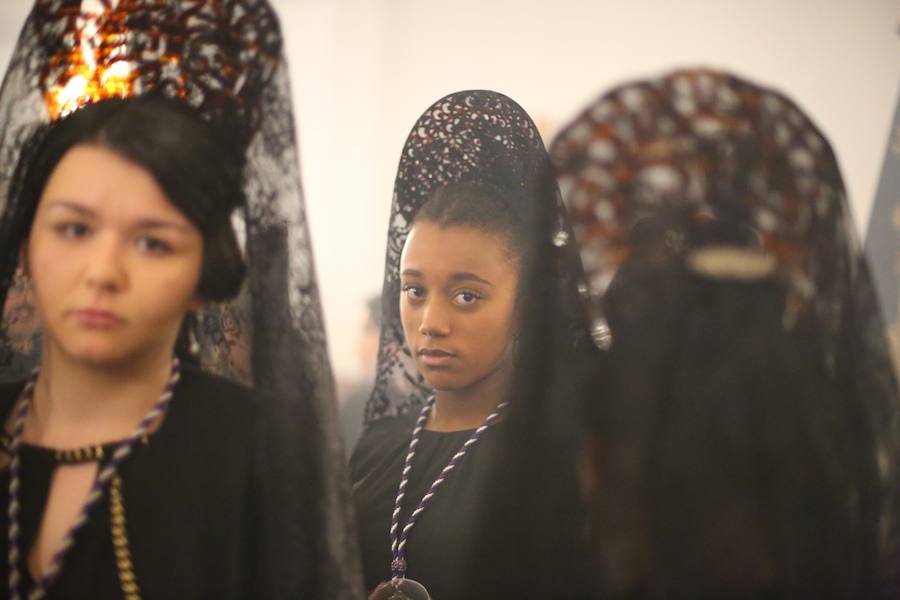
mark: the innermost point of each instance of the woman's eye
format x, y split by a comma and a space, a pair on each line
466, 298
414, 292
153, 245
72, 230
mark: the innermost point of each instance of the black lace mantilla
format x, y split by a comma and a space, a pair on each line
224, 58
701, 144
471, 136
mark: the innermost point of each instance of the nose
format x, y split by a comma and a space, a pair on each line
435, 319
106, 270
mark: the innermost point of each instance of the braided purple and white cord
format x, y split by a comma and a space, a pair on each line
104, 476
398, 536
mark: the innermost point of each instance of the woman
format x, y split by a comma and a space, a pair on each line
741, 431
470, 189
132, 471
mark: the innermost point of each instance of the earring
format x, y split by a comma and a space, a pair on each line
193, 344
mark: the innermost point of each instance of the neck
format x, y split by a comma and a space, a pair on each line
77, 403
467, 408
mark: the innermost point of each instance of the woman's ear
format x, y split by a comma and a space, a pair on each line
197, 304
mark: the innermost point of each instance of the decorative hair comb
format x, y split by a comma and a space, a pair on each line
217, 55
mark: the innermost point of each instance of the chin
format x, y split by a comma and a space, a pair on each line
446, 382
99, 353
438, 383
99, 357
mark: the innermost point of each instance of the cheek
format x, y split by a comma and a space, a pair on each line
492, 331
167, 289
408, 317
505, 311
49, 268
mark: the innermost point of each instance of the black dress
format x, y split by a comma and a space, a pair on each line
188, 495
438, 546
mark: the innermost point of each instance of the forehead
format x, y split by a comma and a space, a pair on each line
101, 180
435, 249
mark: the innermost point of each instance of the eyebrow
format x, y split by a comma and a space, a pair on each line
467, 276
74, 206
461, 276
157, 224
140, 224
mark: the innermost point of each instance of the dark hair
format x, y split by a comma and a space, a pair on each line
482, 206
731, 465
198, 168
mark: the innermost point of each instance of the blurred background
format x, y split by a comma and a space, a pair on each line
363, 71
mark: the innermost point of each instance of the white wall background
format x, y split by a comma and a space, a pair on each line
363, 70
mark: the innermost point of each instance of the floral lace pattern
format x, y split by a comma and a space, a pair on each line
701, 146
471, 136
223, 58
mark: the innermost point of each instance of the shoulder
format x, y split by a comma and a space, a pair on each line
211, 425
380, 438
10, 390
198, 380
386, 431
221, 401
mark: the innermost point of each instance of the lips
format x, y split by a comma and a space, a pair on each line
435, 358
97, 319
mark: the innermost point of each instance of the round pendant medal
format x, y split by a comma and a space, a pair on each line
400, 589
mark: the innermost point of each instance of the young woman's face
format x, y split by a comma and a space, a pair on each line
114, 264
457, 303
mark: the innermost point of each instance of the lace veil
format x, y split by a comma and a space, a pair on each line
225, 59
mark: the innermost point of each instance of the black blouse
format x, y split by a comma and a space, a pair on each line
437, 547
188, 495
